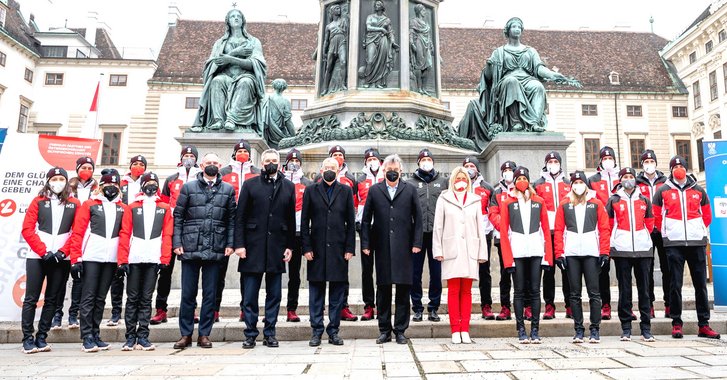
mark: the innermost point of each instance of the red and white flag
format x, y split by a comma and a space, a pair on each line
90, 128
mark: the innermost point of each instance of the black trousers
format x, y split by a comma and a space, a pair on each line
367, 279
549, 282
294, 275
527, 269
224, 263
506, 280
317, 294
663, 266
604, 285
273, 296
117, 294
640, 267
164, 285
580, 267
62, 291
97, 278
37, 271
696, 259
401, 304
435, 277
139, 289
190, 285
485, 277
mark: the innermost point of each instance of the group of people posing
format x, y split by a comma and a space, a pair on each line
129, 229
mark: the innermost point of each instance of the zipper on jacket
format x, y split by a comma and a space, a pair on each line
555, 193
683, 201
632, 220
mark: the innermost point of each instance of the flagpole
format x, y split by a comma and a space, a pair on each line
98, 91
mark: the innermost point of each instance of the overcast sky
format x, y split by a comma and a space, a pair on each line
139, 26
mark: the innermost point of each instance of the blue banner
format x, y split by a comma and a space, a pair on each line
3, 133
715, 168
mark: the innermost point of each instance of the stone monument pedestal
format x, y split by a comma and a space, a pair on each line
221, 143
525, 148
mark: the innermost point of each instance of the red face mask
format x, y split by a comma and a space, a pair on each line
340, 160
522, 185
679, 173
242, 157
137, 171
85, 174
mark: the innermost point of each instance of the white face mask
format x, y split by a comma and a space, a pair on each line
579, 188
460, 185
553, 168
608, 164
650, 168
507, 176
426, 166
374, 165
57, 186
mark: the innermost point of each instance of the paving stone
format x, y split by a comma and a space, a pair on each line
365, 362
581, 363
718, 371
322, 369
189, 369
500, 365
576, 351
440, 367
662, 361
263, 369
469, 376
450, 355
533, 353
711, 360
401, 369
91, 370
642, 350
366, 375
648, 373
560, 374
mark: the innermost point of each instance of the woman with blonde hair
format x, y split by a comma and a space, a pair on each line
458, 241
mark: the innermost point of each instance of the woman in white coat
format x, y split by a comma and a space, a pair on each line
458, 241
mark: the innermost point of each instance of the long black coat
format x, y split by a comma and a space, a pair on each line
265, 224
390, 229
204, 219
327, 228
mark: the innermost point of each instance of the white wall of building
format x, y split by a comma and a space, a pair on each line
15, 86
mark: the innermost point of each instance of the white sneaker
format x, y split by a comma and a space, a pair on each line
466, 338
456, 338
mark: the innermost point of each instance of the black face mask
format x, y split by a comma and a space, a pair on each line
271, 169
150, 190
329, 176
392, 175
211, 170
110, 192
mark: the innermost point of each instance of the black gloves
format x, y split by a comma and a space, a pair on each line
546, 268
122, 270
51, 258
603, 261
510, 270
560, 262
161, 267
77, 271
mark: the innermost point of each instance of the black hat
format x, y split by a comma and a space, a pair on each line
521, 171
648, 154
553, 155
149, 177
579, 175
294, 153
109, 176
625, 171
371, 152
243, 144
138, 158
677, 160
336, 149
508, 165
189, 149
607, 151
85, 160
424, 153
56, 171
473, 160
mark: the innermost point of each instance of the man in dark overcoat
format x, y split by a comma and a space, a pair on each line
391, 230
264, 241
328, 225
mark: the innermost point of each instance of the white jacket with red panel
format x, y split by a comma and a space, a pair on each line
552, 190
581, 230
604, 183
631, 221
146, 232
174, 183
300, 182
96, 230
524, 230
682, 213
364, 183
48, 224
236, 173
494, 210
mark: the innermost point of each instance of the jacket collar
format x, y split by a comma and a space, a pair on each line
691, 182
322, 191
399, 188
448, 195
200, 178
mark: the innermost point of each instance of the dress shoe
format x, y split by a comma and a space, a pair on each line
270, 341
183, 342
314, 341
433, 316
417, 316
401, 339
335, 340
204, 342
383, 338
248, 343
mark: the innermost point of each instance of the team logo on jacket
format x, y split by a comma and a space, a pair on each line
46, 204
516, 206
673, 196
622, 207
100, 208
437, 185
421, 185
695, 196
590, 205
642, 208
70, 205
603, 187
547, 189
138, 211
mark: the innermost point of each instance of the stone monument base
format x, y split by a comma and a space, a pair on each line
221, 143
525, 148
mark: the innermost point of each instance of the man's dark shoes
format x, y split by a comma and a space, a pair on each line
271, 342
417, 316
433, 316
383, 338
401, 339
183, 342
204, 342
335, 340
314, 341
248, 343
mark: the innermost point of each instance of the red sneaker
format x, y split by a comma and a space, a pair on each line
487, 312
159, 317
292, 317
504, 314
528, 313
707, 332
242, 316
676, 332
569, 312
217, 316
368, 313
606, 312
666, 312
347, 315
549, 312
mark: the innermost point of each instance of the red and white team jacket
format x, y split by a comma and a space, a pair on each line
173, 184
48, 224
96, 230
604, 183
631, 221
365, 181
552, 190
485, 191
129, 188
581, 230
236, 173
682, 213
524, 230
494, 210
647, 187
146, 232
300, 182
80, 190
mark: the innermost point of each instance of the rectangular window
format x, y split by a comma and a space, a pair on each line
678, 111
3, 58
634, 111
697, 95
708, 46
693, 57
23, 119
636, 147
47, 133
3, 15
191, 103
700, 155
718, 135
684, 149
589, 110
110, 151
298, 104
713, 94
117, 80
55, 51
592, 148
28, 75
722, 35
80, 54
54, 79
